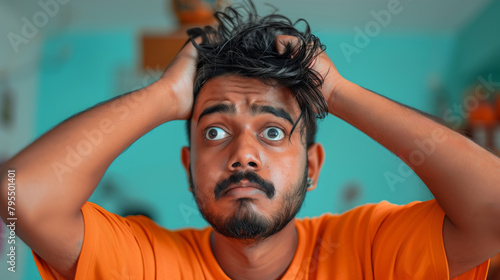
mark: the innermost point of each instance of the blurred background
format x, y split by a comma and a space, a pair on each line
59, 57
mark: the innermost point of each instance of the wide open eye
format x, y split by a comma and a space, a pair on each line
273, 133
215, 133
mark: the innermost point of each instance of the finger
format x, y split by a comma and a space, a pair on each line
198, 40
189, 49
189, 42
313, 62
282, 41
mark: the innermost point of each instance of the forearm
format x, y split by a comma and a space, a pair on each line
464, 178
58, 172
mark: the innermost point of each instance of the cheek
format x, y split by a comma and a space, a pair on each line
286, 169
207, 168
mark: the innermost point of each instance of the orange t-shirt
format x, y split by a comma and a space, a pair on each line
374, 241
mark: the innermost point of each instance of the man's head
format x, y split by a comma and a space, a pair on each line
245, 45
247, 164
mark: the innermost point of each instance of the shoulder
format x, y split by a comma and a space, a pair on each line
140, 226
385, 239
113, 242
371, 215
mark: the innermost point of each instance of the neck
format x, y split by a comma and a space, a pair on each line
264, 259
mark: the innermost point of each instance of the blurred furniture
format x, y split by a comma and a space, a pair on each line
158, 50
483, 122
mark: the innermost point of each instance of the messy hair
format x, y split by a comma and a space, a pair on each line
245, 46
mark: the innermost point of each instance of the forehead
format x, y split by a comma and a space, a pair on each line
243, 93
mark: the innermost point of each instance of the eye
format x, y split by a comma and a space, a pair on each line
215, 133
273, 133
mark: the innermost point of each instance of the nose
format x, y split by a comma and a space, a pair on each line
245, 153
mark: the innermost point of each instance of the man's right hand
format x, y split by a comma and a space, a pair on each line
179, 79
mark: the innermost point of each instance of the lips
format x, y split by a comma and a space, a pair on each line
246, 181
243, 184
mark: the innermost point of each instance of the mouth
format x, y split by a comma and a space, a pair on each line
244, 184
243, 188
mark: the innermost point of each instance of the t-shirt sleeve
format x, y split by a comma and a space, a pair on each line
110, 249
408, 243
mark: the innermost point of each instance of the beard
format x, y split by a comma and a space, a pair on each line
246, 223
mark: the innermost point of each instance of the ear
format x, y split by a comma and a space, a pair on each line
186, 161
316, 157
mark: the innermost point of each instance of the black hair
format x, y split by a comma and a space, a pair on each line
245, 46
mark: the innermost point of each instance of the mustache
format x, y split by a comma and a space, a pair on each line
266, 186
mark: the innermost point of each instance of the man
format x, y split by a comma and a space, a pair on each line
258, 84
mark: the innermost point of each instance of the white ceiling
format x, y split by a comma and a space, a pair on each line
337, 15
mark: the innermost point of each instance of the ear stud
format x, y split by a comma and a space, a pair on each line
309, 182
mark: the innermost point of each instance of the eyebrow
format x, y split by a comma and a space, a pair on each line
278, 112
219, 108
256, 109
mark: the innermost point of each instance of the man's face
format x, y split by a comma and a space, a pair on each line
248, 175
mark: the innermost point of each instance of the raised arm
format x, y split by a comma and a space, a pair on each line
463, 177
57, 173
